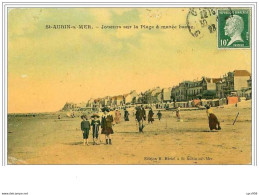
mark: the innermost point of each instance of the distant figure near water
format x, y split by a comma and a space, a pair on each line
213, 120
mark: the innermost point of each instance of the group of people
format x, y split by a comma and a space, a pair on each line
141, 117
108, 121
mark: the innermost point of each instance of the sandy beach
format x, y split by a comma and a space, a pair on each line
44, 139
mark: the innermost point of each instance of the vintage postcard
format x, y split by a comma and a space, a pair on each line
130, 85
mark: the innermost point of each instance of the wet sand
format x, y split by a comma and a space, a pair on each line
44, 139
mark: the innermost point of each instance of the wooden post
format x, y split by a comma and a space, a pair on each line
236, 118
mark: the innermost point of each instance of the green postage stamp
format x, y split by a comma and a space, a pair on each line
233, 28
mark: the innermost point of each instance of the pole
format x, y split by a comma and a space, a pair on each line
235, 118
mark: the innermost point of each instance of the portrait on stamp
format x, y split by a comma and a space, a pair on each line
233, 28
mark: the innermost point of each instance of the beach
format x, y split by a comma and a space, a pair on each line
45, 139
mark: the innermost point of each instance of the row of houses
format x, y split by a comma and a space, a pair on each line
236, 83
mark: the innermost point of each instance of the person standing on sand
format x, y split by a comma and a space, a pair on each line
159, 115
140, 117
106, 124
178, 113
95, 123
117, 116
85, 127
150, 116
126, 115
213, 120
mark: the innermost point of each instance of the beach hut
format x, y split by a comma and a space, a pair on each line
215, 102
196, 102
181, 104
232, 99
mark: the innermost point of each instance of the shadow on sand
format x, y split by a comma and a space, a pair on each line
169, 131
74, 143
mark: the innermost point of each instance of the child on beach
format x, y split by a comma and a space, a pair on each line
85, 127
95, 125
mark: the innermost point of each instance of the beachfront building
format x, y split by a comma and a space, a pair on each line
130, 98
90, 103
120, 100
139, 98
220, 86
113, 101
236, 82
106, 101
174, 93
69, 106
151, 96
156, 95
195, 90
209, 87
240, 81
166, 94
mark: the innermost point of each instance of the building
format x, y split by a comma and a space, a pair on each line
240, 81
209, 86
90, 103
130, 98
120, 100
166, 94
236, 82
195, 90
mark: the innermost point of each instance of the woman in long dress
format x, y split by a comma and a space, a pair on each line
150, 116
126, 115
106, 124
213, 120
117, 116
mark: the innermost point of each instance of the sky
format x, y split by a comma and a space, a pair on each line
49, 67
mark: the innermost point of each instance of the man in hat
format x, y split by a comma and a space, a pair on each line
106, 123
140, 117
95, 123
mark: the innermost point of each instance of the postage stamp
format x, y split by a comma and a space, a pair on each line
233, 28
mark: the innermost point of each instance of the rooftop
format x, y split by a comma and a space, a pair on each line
241, 73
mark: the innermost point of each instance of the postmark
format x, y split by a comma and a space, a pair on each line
201, 21
233, 28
